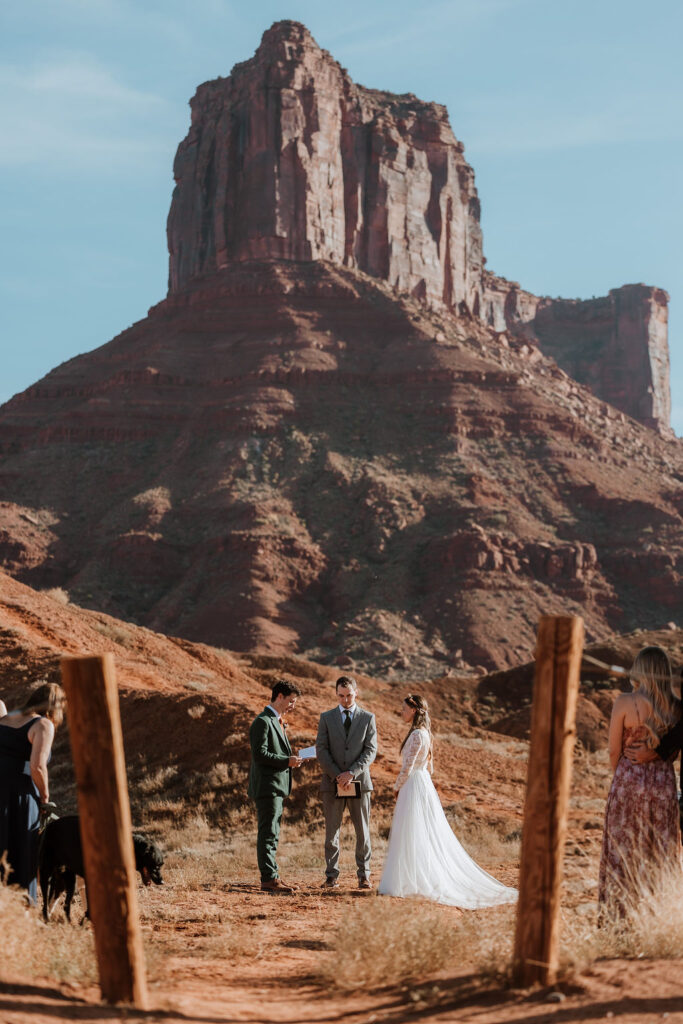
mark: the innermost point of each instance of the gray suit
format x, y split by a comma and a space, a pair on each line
338, 752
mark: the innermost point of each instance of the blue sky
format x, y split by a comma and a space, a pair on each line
570, 111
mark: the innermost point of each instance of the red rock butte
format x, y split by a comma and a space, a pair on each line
289, 159
340, 435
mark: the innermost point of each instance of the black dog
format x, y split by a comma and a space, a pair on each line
61, 859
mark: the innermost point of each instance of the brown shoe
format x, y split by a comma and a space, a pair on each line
364, 883
277, 885
330, 883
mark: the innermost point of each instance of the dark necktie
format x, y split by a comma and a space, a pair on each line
347, 722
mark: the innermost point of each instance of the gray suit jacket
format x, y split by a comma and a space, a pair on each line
337, 752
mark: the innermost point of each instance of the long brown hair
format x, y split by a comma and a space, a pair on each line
421, 718
651, 675
49, 700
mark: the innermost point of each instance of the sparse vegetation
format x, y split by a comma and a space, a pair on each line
57, 594
32, 949
398, 942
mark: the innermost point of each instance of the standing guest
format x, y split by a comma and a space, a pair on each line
346, 747
641, 819
270, 779
25, 746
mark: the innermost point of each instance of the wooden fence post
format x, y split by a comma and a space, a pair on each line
97, 747
559, 647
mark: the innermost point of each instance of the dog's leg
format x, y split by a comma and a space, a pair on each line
69, 888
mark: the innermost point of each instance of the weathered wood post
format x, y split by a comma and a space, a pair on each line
108, 857
559, 647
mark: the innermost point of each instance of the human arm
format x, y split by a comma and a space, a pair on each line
322, 750
41, 736
671, 742
410, 754
616, 731
260, 751
369, 751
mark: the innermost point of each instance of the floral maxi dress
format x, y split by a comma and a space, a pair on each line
642, 830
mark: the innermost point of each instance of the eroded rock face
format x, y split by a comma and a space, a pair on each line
289, 159
616, 345
288, 456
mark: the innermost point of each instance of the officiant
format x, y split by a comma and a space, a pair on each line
346, 746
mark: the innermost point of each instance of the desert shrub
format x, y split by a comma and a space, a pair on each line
57, 594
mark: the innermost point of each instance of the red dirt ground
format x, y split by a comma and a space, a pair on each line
480, 776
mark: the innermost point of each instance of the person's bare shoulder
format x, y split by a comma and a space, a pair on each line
623, 701
43, 727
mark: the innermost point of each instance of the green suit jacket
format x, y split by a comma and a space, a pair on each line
269, 774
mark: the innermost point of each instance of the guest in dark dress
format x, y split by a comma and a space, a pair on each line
25, 745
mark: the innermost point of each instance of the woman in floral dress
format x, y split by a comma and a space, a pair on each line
642, 830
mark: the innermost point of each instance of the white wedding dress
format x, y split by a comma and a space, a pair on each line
424, 858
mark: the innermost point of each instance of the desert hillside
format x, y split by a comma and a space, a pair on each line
341, 436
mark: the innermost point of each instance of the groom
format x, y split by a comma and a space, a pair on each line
346, 746
270, 779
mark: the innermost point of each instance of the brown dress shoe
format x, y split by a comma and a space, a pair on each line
330, 883
277, 885
364, 883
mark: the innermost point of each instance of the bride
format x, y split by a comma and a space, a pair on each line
424, 858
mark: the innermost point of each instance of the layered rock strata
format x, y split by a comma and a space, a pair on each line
288, 456
289, 159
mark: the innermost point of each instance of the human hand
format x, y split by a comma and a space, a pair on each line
295, 762
638, 753
47, 813
345, 779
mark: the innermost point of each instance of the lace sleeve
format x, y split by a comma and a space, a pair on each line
410, 755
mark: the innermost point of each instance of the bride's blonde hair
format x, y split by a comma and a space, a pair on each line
651, 675
421, 718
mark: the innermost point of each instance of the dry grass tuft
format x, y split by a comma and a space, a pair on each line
651, 929
57, 594
60, 951
391, 942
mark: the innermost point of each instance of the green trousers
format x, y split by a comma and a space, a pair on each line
269, 815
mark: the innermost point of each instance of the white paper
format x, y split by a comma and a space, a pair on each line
306, 753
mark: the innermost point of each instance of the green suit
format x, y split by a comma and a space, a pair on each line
270, 781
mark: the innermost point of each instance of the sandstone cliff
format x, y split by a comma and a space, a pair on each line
289, 159
359, 446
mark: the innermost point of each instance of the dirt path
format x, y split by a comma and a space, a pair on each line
264, 970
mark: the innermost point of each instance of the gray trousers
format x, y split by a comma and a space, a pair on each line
360, 816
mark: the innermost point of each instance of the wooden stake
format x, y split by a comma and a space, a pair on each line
106, 834
553, 729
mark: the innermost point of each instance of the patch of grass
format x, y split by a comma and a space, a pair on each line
400, 942
30, 948
118, 634
651, 928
